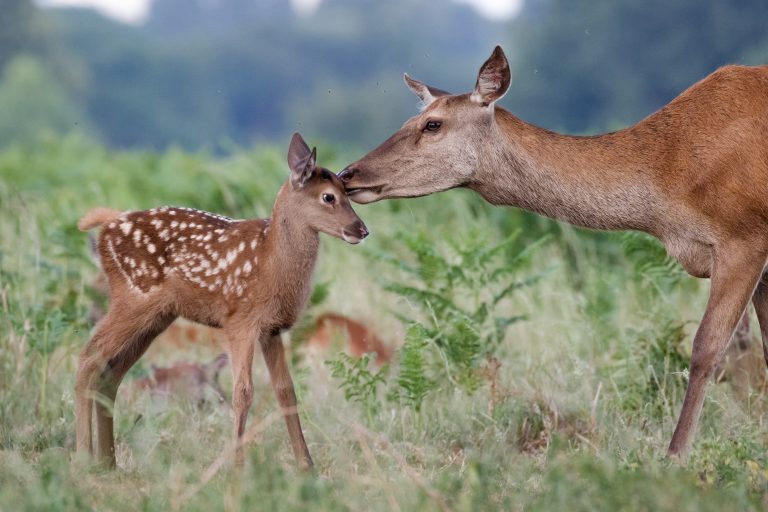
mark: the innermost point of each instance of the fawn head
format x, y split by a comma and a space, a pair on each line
324, 204
438, 149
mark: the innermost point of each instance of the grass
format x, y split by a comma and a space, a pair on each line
573, 412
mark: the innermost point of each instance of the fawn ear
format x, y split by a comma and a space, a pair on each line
425, 93
301, 160
493, 79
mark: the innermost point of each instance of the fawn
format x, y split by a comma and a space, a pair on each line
251, 278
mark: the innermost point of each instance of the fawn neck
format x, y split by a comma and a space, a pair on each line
602, 182
291, 244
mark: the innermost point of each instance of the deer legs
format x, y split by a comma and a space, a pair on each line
241, 355
242, 349
760, 300
119, 341
733, 281
274, 357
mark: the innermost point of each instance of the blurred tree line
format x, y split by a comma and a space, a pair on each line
215, 72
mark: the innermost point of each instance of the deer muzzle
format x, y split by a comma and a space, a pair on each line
355, 232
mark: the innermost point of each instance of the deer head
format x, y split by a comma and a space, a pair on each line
438, 149
324, 203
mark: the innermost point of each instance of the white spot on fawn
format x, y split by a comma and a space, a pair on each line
126, 227
151, 248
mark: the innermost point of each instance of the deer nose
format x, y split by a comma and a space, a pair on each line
346, 175
361, 229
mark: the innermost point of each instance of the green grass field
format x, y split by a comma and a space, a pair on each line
592, 333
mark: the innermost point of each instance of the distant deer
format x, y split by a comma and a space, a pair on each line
190, 381
694, 175
249, 277
358, 338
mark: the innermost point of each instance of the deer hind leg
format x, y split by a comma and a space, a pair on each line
116, 360
760, 300
120, 339
274, 357
733, 281
241, 348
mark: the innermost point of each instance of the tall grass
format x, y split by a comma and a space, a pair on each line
569, 406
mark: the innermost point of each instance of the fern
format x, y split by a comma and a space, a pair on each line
454, 297
412, 382
650, 261
358, 382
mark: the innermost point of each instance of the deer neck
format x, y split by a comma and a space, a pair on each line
291, 244
602, 182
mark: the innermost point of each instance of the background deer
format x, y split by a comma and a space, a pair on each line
196, 383
359, 339
694, 175
249, 277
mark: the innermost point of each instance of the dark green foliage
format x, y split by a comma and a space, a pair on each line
358, 382
455, 298
202, 74
412, 381
651, 262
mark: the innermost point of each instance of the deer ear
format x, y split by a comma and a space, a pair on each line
493, 79
425, 93
301, 160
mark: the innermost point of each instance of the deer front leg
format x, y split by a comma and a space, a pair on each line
733, 281
241, 354
274, 357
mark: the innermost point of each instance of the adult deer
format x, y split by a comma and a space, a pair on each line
249, 277
694, 175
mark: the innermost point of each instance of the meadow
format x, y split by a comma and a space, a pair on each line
539, 367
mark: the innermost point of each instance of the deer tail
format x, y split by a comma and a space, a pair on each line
97, 217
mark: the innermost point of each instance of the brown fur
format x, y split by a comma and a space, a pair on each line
694, 175
249, 277
190, 381
359, 339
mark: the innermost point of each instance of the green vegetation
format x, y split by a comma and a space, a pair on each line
202, 74
559, 395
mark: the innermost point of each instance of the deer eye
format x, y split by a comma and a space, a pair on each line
328, 198
433, 126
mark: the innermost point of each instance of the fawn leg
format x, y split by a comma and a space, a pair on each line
734, 276
117, 359
241, 348
87, 369
274, 357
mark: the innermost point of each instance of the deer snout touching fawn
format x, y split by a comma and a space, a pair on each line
693, 174
251, 278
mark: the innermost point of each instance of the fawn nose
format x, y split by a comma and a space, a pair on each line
359, 228
355, 232
347, 174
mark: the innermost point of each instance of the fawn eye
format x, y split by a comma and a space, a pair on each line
328, 198
433, 126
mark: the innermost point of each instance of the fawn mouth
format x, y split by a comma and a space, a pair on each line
354, 237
